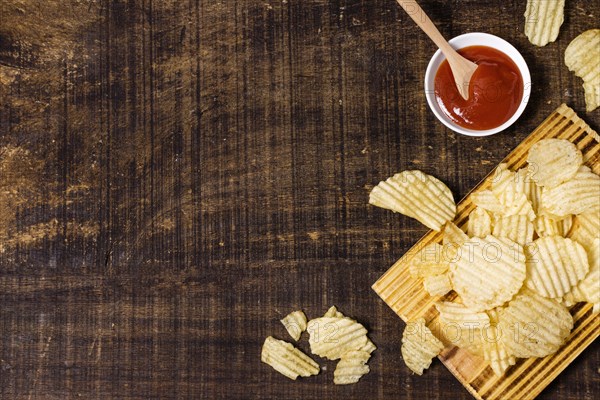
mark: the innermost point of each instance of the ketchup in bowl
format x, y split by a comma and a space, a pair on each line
495, 92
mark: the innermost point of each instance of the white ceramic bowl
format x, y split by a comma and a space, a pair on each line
477, 39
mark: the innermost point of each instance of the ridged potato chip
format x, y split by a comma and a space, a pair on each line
501, 178
287, 359
453, 237
495, 351
487, 200
587, 228
504, 179
462, 326
546, 226
419, 346
417, 195
588, 289
460, 314
428, 261
554, 265
332, 337
543, 19
535, 195
576, 196
517, 228
488, 272
582, 56
553, 161
437, 285
480, 223
295, 324
534, 326
512, 201
333, 312
369, 347
351, 367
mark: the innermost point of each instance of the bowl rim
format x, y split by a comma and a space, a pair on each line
477, 39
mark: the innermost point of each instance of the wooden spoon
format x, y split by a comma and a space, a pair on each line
462, 69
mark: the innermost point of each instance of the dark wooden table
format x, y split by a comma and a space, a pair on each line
175, 176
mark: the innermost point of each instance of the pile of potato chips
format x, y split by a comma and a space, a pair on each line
531, 249
332, 336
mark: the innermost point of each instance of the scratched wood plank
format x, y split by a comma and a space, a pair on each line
175, 176
407, 297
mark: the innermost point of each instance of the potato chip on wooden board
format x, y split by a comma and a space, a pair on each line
547, 226
582, 56
586, 228
543, 19
480, 223
428, 261
534, 326
554, 265
487, 200
416, 195
419, 346
588, 289
578, 195
488, 272
462, 326
453, 237
553, 161
295, 324
437, 285
517, 228
287, 359
495, 351
460, 314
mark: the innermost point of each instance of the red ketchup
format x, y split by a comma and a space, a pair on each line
495, 92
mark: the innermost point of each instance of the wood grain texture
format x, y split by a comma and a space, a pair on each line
176, 176
408, 298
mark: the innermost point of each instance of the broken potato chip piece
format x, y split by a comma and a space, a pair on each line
453, 237
333, 312
428, 261
543, 19
437, 285
480, 223
419, 346
287, 359
295, 324
547, 226
331, 337
416, 195
351, 367
582, 56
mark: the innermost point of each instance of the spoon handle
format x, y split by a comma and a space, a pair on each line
415, 11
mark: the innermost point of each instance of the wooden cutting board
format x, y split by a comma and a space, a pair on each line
406, 296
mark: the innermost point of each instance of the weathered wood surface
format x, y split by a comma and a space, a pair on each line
175, 176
